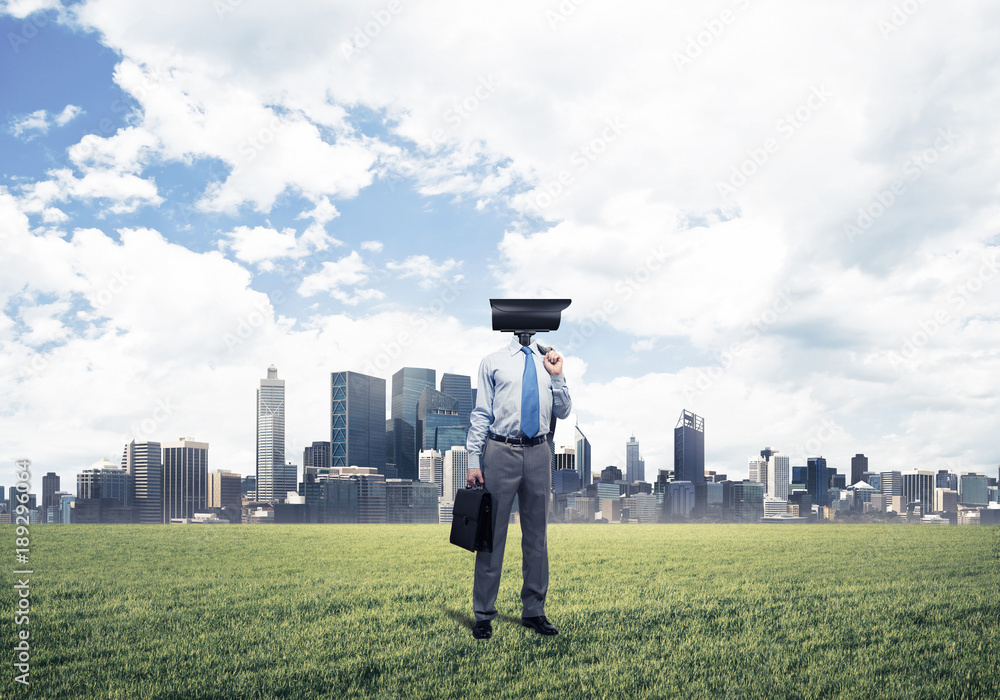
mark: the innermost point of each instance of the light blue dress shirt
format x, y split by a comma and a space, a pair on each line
498, 397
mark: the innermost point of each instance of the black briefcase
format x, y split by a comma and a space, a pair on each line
472, 519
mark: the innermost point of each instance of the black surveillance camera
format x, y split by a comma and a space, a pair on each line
525, 317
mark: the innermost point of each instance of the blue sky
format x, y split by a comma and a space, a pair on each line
781, 217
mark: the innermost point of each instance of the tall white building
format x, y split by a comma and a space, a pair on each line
455, 467
779, 476
431, 468
271, 437
757, 468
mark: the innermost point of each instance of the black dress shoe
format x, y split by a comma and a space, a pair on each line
482, 629
539, 624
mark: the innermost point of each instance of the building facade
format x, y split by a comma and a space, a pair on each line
357, 421
270, 434
689, 448
185, 478
144, 461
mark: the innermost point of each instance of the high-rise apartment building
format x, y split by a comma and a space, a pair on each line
689, 448
185, 478
357, 421
143, 460
270, 434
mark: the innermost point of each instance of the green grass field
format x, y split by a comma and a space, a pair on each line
355, 611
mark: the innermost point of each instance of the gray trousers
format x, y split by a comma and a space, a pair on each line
525, 471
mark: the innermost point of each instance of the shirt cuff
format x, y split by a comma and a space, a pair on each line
559, 380
473, 461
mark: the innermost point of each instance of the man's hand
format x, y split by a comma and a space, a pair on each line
553, 363
474, 476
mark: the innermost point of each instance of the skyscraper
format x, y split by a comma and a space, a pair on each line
459, 387
689, 448
357, 420
432, 469
185, 478
270, 434
632, 470
891, 483
817, 480
143, 460
435, 410
50, 484
756, 469
104, 480
314, 458
455, 467
582, 456
778, 476
223, 489
399, 434
859, 465
918, 487
407, 386
973, 490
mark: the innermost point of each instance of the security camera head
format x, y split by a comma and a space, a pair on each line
525, 317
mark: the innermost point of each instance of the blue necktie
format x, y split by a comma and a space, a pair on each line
529, 395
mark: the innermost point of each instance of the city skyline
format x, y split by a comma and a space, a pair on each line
689, 426
783, 221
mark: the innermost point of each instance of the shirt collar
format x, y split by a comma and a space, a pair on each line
515, 346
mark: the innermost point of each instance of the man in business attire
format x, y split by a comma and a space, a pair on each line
519, 389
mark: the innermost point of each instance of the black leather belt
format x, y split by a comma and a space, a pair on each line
538, 439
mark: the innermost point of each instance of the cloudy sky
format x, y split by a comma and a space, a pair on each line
780, 215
